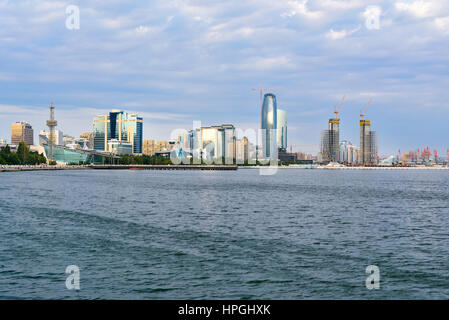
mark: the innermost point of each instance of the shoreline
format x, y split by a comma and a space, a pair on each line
5, 168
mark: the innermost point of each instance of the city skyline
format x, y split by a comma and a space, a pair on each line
187, 61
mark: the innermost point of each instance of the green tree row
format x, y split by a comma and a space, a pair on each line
144, 160
22, 156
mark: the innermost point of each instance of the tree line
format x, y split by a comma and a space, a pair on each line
22, 156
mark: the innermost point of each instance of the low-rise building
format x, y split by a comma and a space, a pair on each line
120, 148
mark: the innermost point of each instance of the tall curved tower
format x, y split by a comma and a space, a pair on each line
269, 125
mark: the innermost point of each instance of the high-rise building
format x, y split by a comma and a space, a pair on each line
22, 132
118, 125
348, 152
269, 126
368, 144
218, 142
210, 143
330, 141
282, 129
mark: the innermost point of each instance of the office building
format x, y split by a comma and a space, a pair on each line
282, 129
22, 132
151, 147
120, 126
269, 126
213, 143
120, 148
148, 147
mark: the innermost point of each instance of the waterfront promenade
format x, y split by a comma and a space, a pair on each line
18, 168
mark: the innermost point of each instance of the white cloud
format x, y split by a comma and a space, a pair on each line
419, 8
337, 35
300, 7
442, 24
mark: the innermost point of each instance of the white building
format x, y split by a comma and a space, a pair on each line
44, 137
348, 153
120, 148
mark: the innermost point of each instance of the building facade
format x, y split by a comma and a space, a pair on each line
90, 138
148, 147
22, 132
269, 126
151, 147
44, 137
368, 144
349, 153
213, 143
120, 148
282, 129
330, 142
118, 125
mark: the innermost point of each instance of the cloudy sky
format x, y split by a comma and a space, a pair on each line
176, 61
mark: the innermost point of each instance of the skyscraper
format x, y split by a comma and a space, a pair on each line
269, 126
118, 125
330, 141
368, 144
22, 132
282, 129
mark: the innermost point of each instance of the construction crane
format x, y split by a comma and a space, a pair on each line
337, 110
261, 90
362, 115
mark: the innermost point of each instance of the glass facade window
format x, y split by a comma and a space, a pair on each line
121, 126
269, 126
282, 129
62, 155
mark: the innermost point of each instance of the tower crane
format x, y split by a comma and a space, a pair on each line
362, 115
337, 110
261, 90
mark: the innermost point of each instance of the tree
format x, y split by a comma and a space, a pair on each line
22, 151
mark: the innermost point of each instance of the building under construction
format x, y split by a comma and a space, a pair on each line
368, 141
330, 138
330, 142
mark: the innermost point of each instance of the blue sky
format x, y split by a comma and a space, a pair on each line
174, 62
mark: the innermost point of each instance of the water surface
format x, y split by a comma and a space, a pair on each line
299, 234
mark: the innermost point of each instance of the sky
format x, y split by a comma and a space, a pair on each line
178, 61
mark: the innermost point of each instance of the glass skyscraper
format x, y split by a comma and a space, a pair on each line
269, 126
118, 125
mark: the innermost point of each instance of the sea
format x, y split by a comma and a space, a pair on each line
297, 234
